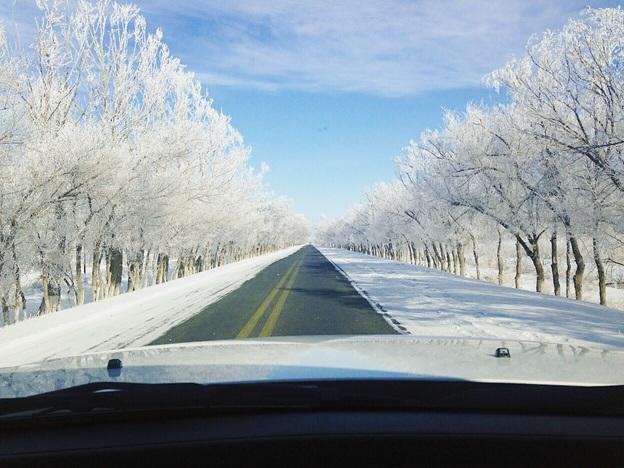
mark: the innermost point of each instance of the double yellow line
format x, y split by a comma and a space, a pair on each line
269, 326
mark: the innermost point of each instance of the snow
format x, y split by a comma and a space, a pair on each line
416, 300
131, 319
489, 271
33, 289
428, 302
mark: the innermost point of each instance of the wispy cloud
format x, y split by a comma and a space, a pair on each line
391, 47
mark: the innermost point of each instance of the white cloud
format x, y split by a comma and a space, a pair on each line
393, 47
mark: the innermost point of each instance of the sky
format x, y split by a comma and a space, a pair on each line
328, 92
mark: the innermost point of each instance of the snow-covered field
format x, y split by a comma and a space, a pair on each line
430, 302
131, 319
489, 272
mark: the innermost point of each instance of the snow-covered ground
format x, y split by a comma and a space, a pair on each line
33, 289
432, 303
489, 271
131, 319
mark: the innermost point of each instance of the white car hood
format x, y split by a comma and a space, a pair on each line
301, 358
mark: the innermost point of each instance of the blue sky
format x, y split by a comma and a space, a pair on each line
328, 92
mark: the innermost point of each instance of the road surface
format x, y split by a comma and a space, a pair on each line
302, 294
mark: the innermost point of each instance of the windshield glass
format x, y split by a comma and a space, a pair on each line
206, 191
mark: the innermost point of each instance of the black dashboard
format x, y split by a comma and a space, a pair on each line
318, 430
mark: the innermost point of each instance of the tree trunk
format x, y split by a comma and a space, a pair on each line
580, 268
79, 292
539, 267
146, 268
443, 258
20, 298
5, 311
462, 259
554, 263
157, 272
135, 268
499, 258
139, 261
155, 268
199, 263
115, 271
518, 277
44, 308
439, 262
427, 256
568, 275
163, 268
96, 278
602, 287
51, 294
476, 256
54, 295
180, 267
130, 280
531, 248
455, 261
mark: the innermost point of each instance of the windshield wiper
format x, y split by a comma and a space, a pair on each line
137, 398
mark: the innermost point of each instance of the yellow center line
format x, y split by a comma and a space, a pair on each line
269, 326
250, 325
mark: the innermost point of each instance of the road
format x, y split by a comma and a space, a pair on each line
302, 294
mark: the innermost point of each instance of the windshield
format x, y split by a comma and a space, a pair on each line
205, 191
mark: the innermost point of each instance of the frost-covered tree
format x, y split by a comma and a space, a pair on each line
548, 162
115, 164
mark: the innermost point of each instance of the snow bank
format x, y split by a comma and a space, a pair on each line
131, 319
429, 302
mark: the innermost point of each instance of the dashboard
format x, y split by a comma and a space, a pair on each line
312, 438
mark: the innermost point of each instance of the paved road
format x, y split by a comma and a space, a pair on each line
302, 294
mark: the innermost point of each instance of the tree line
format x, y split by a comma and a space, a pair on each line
113, 157
545, 168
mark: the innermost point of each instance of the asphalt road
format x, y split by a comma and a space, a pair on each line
302, 294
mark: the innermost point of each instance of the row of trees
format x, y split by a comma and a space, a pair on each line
548, 163
113, 156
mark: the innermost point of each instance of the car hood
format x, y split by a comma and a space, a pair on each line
301, 358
